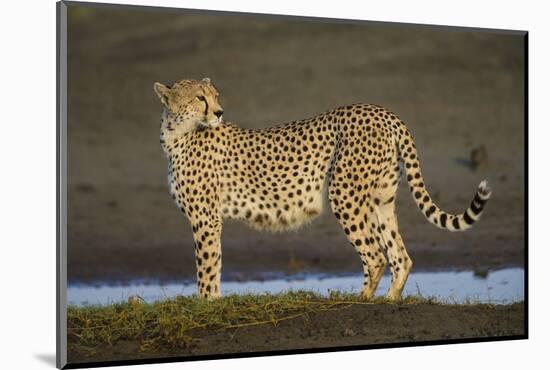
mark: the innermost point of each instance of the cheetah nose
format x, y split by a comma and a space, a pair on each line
218, 113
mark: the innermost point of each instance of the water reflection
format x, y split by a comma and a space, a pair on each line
502, 286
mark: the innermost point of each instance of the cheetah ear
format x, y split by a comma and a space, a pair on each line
206, 79
163, 92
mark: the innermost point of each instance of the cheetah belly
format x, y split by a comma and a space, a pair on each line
275, 213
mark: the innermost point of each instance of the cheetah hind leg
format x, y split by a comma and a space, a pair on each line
372, 258
399, 260
354, 221
375, 260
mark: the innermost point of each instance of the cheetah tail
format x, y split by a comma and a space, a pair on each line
427, 206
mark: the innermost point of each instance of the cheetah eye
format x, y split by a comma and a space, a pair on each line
201, 98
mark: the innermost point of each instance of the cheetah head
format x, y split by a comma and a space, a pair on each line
189, 105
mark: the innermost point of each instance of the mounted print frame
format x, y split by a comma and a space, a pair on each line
309, 153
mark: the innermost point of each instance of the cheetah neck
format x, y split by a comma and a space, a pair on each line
173, 142
173, 131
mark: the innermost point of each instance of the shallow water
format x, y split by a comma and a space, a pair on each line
501, 286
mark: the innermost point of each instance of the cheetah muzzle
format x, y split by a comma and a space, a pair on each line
277, 179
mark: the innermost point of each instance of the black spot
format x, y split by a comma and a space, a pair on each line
443, 220
456, 224
468, 219
430, 210
475, 209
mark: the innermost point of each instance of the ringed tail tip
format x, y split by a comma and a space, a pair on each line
484, 190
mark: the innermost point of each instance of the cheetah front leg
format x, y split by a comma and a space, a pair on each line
208, 256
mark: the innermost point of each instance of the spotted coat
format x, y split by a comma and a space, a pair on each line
278, 178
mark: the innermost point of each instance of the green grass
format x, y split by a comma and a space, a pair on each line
172, 322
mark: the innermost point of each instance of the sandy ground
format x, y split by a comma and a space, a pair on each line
353, 326
455, 90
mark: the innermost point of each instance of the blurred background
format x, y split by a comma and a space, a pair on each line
460, 92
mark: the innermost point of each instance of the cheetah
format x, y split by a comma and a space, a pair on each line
278, 178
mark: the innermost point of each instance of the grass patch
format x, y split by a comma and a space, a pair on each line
173, 322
